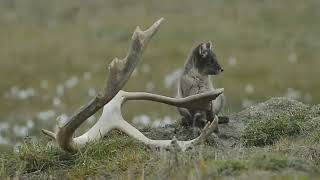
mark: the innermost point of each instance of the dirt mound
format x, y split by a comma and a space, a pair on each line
264, 122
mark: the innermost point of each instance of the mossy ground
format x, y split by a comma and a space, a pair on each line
131, 159
290, 153
116, 154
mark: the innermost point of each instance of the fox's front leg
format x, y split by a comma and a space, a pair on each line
210, 115
186, 117
199, 119
217, 106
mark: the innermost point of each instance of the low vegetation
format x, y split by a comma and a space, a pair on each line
268, 131
277, 148
113, 158
114, 155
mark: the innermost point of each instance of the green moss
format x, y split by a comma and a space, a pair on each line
267, 131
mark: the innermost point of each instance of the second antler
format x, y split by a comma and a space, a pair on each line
113, 98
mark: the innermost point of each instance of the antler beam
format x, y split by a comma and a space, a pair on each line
112, 99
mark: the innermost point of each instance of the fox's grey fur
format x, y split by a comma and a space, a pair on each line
201, 63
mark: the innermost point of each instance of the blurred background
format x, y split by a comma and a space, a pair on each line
54, 55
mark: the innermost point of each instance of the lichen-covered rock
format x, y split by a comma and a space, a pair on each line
279, 106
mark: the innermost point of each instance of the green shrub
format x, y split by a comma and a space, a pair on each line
268, 131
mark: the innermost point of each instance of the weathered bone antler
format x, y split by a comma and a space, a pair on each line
113, 98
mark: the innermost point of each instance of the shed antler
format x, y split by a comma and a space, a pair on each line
112, 99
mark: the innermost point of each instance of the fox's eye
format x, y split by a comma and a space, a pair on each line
203, 53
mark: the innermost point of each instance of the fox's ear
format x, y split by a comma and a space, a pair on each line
209, 45
203, 50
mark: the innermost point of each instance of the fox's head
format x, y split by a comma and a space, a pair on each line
206, 60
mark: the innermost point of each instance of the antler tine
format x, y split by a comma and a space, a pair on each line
198, 101
207, 130
121, 70
50, 134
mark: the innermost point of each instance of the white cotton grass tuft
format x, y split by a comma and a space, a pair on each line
16, 147
145, 121
20, 131
71, 82
20, 94
156, 123
292, 58
141, 120
62, 119
162, 122
4, 126
87, 76
92, 92
4, 141
46, 115
249, 89
293, 94
232, 61
30, 124
60, 90
56, 101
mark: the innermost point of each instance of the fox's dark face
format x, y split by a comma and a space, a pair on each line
207, 60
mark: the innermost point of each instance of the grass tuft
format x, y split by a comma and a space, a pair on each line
114, 155
268, 131
273, 162
230, 167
